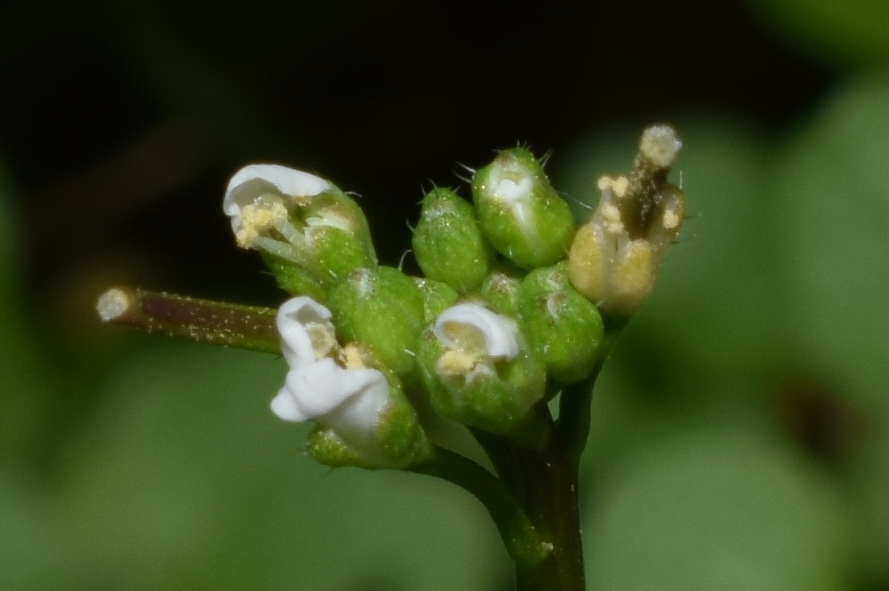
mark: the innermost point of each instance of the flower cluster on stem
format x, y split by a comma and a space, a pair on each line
519, 304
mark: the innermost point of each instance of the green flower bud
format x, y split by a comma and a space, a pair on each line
383, 309
501, 291
309, 232
562, 325
436, 297
613, 259
519, 211
478, 369
448, 242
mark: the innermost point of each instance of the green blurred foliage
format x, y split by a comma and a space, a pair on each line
703, 478
741, 428
840, 32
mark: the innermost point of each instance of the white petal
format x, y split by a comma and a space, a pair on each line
284, 406
348, 400
292, 317
252, 181
499, 332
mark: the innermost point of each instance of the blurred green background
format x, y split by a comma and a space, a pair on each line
741, 428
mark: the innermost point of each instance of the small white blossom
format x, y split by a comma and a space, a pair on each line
260, 199
256, 180
306, 331
499, 333
348, 400
475, 339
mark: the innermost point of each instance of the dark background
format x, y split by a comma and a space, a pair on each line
122, 122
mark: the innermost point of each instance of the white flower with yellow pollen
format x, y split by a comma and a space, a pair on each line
310, 232
331, 386
478, 368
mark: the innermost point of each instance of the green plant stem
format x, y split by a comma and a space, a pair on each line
544, 481
521, 538
576, 400
204, 321
552, 504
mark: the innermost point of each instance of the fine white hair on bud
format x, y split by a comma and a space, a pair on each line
468, 325
307, 333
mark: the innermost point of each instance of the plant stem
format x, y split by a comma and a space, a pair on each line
519, 534
204, 321
552, 505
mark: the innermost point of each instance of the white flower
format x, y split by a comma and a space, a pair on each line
474, 339
348, 400
255, 180
307, 334
259, 200
497, 332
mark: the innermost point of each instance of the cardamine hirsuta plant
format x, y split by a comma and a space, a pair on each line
517, 310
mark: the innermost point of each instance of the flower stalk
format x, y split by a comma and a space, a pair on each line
203, 321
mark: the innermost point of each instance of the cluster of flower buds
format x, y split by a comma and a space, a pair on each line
514, 305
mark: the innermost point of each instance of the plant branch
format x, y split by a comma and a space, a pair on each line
204, 321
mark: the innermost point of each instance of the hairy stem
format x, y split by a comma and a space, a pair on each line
204, 321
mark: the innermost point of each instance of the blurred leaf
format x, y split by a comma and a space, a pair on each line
23, 373
833, 187
188, 481
834, 30
714, 508
835, 194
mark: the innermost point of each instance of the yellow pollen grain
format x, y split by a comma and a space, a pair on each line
455, 363
352, 357
620, 185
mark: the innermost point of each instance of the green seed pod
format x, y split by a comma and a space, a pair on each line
478, 369
519, 211
448, 242
382, 309
563, 326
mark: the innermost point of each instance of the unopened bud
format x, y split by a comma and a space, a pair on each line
519, 211
382, 309
563, 326
448, 242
